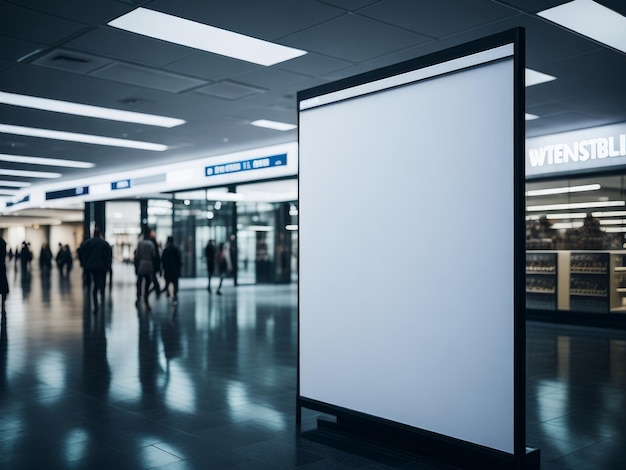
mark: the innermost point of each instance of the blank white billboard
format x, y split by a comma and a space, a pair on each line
406, 232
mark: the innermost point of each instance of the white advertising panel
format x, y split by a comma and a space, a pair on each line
406, 232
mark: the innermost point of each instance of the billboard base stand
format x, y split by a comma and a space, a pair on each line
397, 446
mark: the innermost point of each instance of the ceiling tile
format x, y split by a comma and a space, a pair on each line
129, 47
354, 38
351, 5
272, 79
561, 123
228, 90
92, 12
5, 64
13, 48
71, 61
313, 64
147, 77
211, 66
437, 19
34, 26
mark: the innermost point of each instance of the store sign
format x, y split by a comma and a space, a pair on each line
575, 151
13, 203
123, 184
246, 165
80, 191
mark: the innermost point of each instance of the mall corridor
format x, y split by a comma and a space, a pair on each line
211, 384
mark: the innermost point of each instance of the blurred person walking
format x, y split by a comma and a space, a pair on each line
26, 256
96, 258
157, 266
45, 259
65, 261
145, 261
209, 254
4, 283
171, 263
222, 265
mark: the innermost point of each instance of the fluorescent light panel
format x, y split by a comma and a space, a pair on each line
530, 117
14, 184
609, 214
534, 77
278, 126
563, 190
86, 110
566, 225
189, 33
83, 138
567, 215
45, 161
592, 20
575, 205
29, 173
612, 222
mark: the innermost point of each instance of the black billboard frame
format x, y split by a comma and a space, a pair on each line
408, 438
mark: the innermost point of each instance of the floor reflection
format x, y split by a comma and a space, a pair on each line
211, 383
576, 411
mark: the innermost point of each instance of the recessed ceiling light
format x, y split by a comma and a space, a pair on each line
567, 215
592, 20
83, 138
531, 117
14, 184
279, 126
29, 173
563, 190
575, 205
535, 78
189, 33
609, 214
87, 110
45, 161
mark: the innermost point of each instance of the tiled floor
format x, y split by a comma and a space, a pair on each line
211, 383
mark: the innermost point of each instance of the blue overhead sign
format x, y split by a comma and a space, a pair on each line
246, 165
24, 199
122, 184
80, 191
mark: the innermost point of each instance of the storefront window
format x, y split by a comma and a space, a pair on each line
575, 258
257, 222
160, 219
576, 213
123, 228
200, 216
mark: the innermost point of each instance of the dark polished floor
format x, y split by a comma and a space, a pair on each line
211, 383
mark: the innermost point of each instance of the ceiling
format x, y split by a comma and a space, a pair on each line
66, 51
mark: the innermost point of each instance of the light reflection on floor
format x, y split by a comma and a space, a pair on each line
211, 383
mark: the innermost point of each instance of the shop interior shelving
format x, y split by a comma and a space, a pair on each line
541, 280
589, 282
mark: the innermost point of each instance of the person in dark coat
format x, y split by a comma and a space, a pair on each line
96, 255
209, 254
4, 283
64, 260
157, 265
26, 256
222, 266
171, 263
145, 256
45, 259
